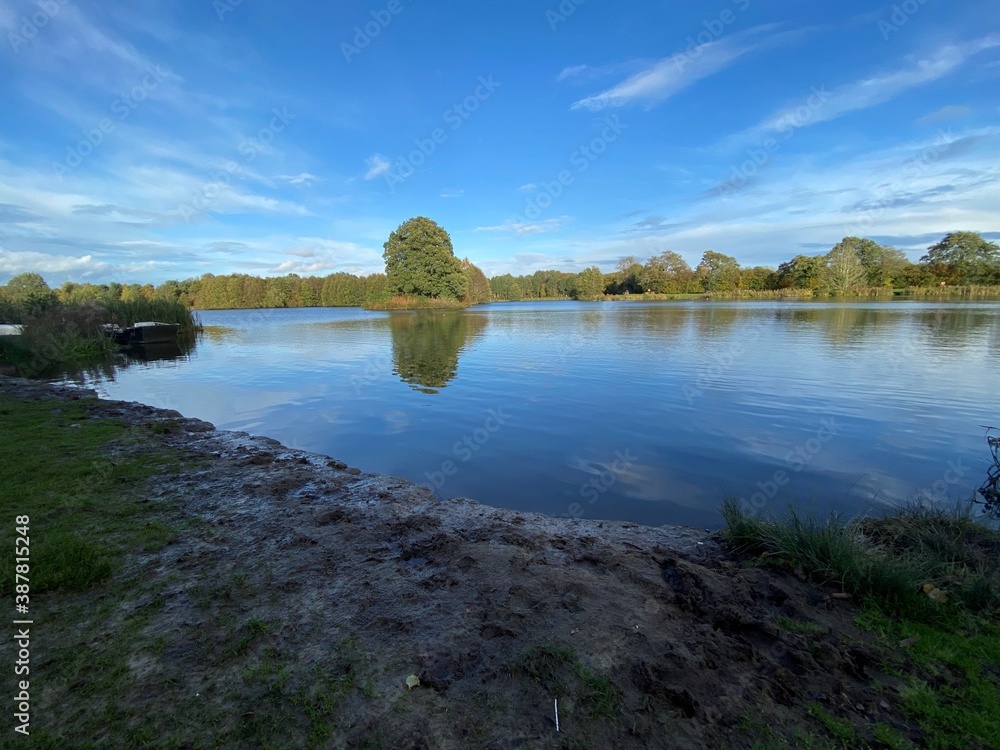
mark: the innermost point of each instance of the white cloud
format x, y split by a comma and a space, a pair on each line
528, 188
872, 91
913, 190
304, 267
78, 266
571, 72
303, 178
522, 228
377, 165
453, 193
20, 262
950, 112
673, 74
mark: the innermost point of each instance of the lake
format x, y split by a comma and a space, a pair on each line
646, 412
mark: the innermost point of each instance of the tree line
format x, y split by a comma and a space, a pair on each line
27, 294
854, 264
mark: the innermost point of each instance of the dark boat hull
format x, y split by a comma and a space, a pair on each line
161, 333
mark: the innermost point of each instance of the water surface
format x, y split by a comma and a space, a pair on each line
635, 411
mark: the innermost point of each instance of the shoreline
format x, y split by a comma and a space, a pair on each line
319, 469
299, 602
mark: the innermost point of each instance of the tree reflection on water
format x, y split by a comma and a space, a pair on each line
426, 345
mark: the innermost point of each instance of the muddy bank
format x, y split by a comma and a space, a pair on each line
304, 595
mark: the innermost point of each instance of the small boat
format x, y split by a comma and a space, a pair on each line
11, 330
146, 333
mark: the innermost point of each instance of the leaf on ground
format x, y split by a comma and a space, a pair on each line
934, 593
412, 681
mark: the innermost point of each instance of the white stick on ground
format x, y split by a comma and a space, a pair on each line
555, 703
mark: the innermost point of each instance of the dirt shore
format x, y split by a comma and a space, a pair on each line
326, 607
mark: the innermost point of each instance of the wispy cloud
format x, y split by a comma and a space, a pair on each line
671, 75
571, 71
950, 112
874, 90
377, 165
522, 228
303, 179
453, 193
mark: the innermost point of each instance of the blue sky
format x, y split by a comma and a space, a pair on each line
142, 140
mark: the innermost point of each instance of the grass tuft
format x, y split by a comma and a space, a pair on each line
884, 562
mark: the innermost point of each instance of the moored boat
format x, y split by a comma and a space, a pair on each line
147, 333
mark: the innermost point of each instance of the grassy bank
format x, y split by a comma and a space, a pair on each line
411, 302
82, 481
70, 336
162, 311
865, 293
928, 585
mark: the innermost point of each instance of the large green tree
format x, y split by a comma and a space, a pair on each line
756, 278
590, 284
667, 273
844, 270
964, 258
718, 272
627, 277
506, 287
477, 287
30, 293
884, 265
420, 260
801, 272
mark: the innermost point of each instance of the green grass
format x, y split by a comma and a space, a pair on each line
69, 337
76, 480
803, 627
546, 664
61, 336
884, 562
832, 552
557, 671
949, 667
160, 310
109, 654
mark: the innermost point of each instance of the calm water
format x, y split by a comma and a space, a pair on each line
634, 411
